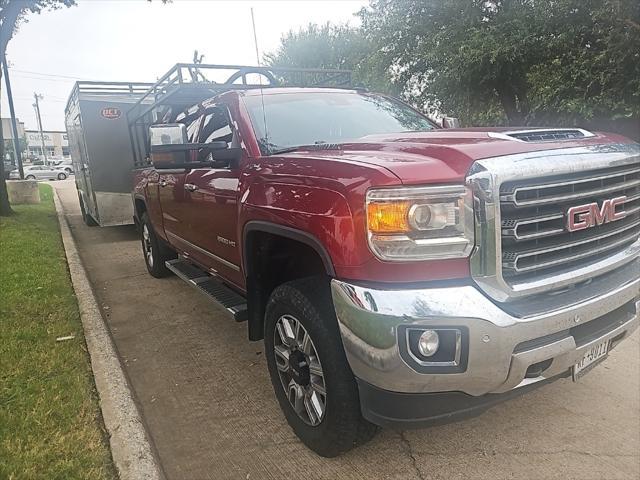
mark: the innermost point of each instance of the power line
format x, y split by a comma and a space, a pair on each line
48, 99
43, 79
47, 74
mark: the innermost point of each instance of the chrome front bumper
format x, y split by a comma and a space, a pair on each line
501, 345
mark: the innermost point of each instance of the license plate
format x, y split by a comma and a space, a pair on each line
591, 358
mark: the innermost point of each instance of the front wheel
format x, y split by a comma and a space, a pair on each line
29, 177
155, 252
309, 371
62, 176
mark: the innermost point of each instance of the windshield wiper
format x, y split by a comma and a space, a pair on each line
278, 151
318, 145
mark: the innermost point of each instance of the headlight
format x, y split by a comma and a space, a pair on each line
420, 223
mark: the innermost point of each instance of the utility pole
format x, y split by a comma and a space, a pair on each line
12, 113
37, 107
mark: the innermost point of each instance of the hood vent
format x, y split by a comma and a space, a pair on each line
543, 135
324, 146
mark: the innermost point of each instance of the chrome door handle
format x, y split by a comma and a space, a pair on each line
190, 187
162, 183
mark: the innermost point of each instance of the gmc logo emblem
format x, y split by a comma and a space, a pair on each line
590, 215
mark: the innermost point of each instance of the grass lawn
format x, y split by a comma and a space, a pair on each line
50, 424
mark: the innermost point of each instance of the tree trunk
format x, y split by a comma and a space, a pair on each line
5, 207
511, 104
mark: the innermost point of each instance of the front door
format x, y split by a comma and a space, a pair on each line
214, 200
178, 214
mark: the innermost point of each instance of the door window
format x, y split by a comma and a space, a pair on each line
216, 127
192, 121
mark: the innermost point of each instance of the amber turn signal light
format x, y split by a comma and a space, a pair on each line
388, 217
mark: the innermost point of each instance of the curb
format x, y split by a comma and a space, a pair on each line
130, 447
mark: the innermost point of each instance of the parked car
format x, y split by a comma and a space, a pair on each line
39, 172
66, 165
399, 273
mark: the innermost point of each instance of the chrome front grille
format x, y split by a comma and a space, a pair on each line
523, 243
533, 214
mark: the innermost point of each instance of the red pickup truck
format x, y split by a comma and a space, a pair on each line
400, 274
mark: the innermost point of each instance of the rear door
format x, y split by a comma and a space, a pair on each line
214, 200
80, 156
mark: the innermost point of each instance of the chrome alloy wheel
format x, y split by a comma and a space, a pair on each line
300, 370
146, 245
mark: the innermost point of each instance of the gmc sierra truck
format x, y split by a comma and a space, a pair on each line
400, 274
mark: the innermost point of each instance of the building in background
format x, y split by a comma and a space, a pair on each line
55, 143
7, 134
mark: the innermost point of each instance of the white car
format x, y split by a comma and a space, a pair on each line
39, 172
65, 165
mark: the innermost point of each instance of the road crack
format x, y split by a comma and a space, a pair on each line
408, 450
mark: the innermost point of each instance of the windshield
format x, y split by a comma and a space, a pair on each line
295, 119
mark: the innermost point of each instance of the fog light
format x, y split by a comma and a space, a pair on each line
428, 343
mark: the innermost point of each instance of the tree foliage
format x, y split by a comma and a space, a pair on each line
12, 13
329, 46
491, 62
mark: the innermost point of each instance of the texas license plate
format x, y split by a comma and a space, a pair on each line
591, 358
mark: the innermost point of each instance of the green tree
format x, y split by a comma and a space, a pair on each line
328, 46
468, 57
12, 13
592, 69
8, 148
492, 62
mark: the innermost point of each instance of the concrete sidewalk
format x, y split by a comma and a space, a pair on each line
209, 407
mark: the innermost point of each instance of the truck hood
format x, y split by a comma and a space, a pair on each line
444, 156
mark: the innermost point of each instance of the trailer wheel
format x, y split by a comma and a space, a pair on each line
86, 218
155, 252
313, 382
62, 176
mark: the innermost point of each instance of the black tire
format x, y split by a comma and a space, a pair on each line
88, 220
342, 426
62, 176
29, 177
154, 251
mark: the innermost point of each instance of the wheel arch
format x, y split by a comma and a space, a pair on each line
139, 207
264, 246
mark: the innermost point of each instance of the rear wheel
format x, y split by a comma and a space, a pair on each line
29, 177
311, 377
62, 176
155, 252
86, 217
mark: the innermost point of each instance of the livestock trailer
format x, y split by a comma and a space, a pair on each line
100, 145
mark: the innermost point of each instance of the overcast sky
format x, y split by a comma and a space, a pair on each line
133, 40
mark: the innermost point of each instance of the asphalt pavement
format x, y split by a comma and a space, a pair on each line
207, 402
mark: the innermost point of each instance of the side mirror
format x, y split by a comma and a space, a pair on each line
168, 134
450, 122
169, 147
170, 150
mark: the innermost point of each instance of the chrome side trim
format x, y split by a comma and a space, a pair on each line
203, 251
486, 177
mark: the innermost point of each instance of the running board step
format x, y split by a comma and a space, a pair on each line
213, 288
